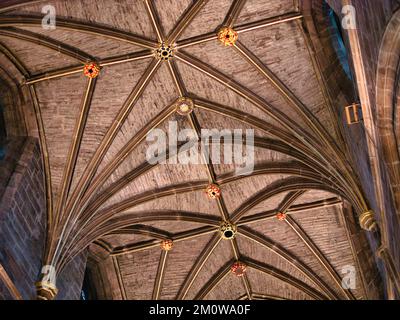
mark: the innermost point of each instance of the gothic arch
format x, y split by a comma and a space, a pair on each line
387, 101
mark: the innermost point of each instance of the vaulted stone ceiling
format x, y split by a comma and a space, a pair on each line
102, 193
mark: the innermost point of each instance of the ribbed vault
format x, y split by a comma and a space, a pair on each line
103, 194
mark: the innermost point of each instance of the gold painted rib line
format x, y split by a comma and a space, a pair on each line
75, 145
126, 58
235, 249
18, 5
45, 159
289, 200
284, 277
318, 254
243, 297
271, 214
179, 237
14, 60
246, 284
314, 205
268, 22
70, 24
290, 258
208, 164
202, 259
78, 69
155, 21
196, 40
343, 214
160, 275
10, 285
285, 185
260, 296
54, 74
215, 280
240, 29
119, 277
177, 78
234, 12
47, 42
185, 20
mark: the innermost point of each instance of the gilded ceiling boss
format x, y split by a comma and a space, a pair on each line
199, 150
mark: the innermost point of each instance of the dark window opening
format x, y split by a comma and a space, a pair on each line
338, 39
88, 291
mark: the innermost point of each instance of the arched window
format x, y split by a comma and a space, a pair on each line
338, 39
88, 291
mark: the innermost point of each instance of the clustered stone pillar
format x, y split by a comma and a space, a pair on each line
384, 254
367, 222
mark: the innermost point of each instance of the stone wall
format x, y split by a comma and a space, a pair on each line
23, 224
22, 219
372, 18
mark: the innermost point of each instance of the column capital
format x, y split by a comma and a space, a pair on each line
367, 221
46, 290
